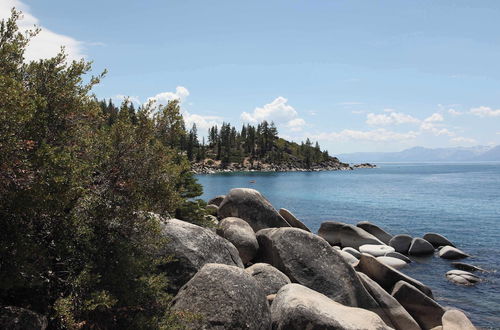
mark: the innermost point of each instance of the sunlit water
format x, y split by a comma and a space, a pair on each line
460, 201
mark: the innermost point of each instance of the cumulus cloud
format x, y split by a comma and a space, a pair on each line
47, 43
435, 117
278, 111
377, 135
203, 123
391, 118
181, 93
483, 111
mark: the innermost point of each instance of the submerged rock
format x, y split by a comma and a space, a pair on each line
419, 247
17, 318
375, 231
297, 307
423, 309
292, 220
437, 240
223, 297
454, 319
468, 267
268, 277
449, 252
376, 250
401, 243
193, 246
239, 232
251, 206
462, 277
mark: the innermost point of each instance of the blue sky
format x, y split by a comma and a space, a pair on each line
355, 75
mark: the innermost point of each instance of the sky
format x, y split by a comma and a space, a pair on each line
352, 75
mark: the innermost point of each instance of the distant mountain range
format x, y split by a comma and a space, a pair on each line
421, 154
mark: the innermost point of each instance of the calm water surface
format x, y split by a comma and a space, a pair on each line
460, 201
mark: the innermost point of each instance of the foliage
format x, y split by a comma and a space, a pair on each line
80, 184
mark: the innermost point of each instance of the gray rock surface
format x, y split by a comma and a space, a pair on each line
16, 318
437, 240
393, 262
399, 256
330, 231
354, 237
462, 277
401, 243
423, 309
468, 267
387, 276
376, 250
193, 246
309, 260
454, 319
349, 258
400, 318
217, 200
251, 206
375, 231
292, 219
450, 252
223, 297
420, 247
297, 307
352, 251
239, 232
268, 277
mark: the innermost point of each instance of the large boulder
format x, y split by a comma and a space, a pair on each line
385, 275
423, 309
17, 318
239, 232
268, 277
462, 277
437, 240
251, 206
376, 250
309, 260
450, 252
354, 237
401, 243
330, 231
297, 307
292, 220
454, 319
419, 247
223, 297
193, 246
216, 200
375, 231
400, 318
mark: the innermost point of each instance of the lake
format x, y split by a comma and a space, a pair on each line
460, 201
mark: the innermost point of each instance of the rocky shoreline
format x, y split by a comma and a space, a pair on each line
213, 168
277, 274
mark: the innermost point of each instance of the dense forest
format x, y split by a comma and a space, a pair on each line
228, 145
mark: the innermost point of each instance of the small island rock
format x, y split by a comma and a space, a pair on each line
419, 247
449, 252
401, 243
462, 277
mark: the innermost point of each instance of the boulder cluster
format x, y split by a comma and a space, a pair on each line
264, 269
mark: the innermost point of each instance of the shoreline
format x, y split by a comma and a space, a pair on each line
267, 168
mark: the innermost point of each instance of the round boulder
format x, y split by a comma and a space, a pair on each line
449, 252
193, 246
454, 319
437, 240
297, 307
462, 277
354, 237
292, 219
330, 231
223, 297
268, 277
375, 231
376, 250
393, 262
419, 247
239, 232
251, 206
401, 243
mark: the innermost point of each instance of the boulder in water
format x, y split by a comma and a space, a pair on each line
376, 250
421, 307
268, 277
375, 231
401, 243
297, 307
223, 297
437, 240
462, 277
449, 252
292, 220
251, 206
468, 267
419, 247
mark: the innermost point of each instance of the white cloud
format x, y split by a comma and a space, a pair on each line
435, 117
377, 135
392, 118
461, 139
47, 43
181, 93
483, 111
203, 123
296, 124
454, 112
358, 112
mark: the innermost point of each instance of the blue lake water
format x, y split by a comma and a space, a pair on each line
460, 201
